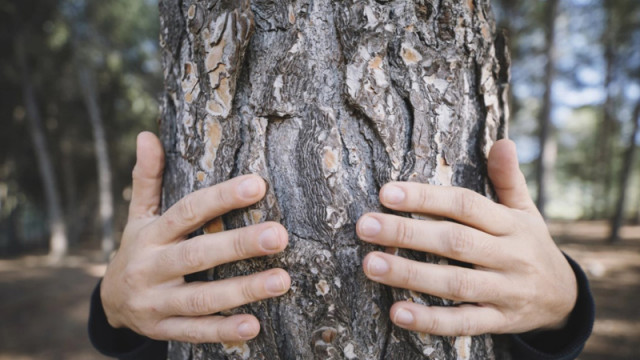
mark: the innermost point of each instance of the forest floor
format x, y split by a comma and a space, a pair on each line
43, 308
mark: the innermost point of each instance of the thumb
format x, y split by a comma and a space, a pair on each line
147, 176
507, 179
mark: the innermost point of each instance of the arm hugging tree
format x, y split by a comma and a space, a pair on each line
328, 101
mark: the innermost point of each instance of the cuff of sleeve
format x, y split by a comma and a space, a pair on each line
568, 342
120, 343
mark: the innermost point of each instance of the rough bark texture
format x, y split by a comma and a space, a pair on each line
329, 100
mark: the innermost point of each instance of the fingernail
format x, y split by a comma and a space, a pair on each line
275, 284
246, 330
392, 194
269, 240
403, 317
377, 266
249, 188
369, 226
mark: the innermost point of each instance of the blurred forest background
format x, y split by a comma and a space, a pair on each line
79, 79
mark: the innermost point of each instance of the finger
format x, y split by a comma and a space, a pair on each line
197, 208
444, 238
205, 298
147, 177
456, 203
208, 251
445, 281
507, 179
209, 329
464, 320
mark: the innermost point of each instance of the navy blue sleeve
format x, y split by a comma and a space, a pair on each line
566, 343
123, 344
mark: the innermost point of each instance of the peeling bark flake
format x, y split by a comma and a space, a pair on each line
327, 101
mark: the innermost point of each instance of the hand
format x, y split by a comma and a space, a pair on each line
144, 289
520, 280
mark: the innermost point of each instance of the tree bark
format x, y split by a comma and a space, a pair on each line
105, 192
547, 141
328, 101
58, 242
627, 166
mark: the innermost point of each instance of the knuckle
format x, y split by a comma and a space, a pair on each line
153, 332
461, 288
460, 241
513, 224
186, 210
192, 335
199, 302
136, 306
528, 296
240, 248
167, 259
467, 203
149, 331
404, 233
135, 173
190, 256
423, 198
134, 275
138, 235
152, 329
431, 325
525, 264
467, 326
248, 290
409, 276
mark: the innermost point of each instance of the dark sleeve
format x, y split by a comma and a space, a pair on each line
123, 344
566, 343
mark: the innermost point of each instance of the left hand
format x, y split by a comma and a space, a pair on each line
520, 281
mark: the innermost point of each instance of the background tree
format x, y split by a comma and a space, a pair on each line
58, 242
118, 46
545, 163
627, 166
328, 101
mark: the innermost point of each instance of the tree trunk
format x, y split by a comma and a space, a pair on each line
327, 101
70, 189
603, 169
105, 203
547, 141
627, 166
58, 242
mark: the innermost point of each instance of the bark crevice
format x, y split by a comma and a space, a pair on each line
329, 100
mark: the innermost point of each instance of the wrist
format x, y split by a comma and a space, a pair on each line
567, 341
567, 300
557, 325
106, 308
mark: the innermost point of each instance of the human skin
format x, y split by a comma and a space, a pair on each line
519, 281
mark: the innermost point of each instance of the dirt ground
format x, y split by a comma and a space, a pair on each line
43, 308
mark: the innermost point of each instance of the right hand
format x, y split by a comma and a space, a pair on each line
144, 287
